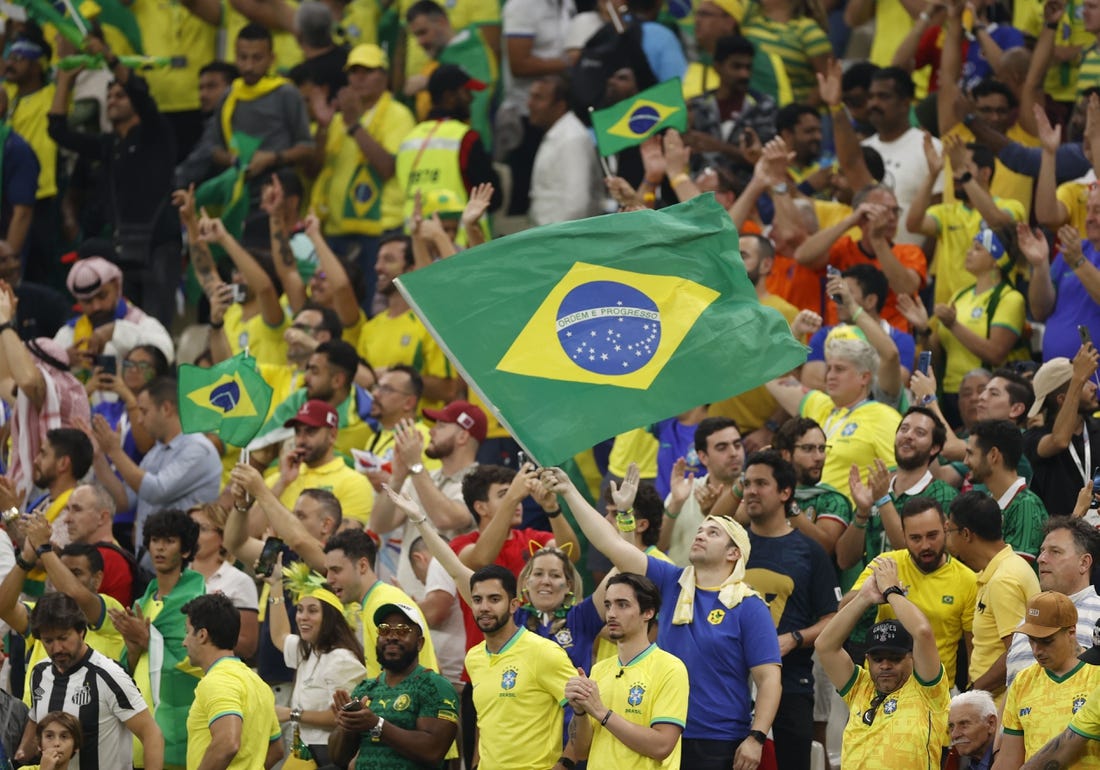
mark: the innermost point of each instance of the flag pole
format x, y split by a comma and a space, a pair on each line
603, 160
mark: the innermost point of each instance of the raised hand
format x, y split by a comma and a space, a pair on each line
622, 495
1033, 244
932, 156
480, 198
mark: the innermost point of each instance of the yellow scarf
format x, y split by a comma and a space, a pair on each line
242, 92
733, 589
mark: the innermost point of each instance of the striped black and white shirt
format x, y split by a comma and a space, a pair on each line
102, 696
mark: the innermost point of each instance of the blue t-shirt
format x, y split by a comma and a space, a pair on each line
976, 68
719, 647
1072, 306
663, 51
576, 637
674, 440
906, 345
797, 580
114, 412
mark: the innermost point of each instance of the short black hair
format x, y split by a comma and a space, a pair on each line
57, 612
1019, 389
732, 45
496, 572
858, 76
215, 613
1004, 435
172, 522
74, 444
416, 381
788, 117
979, 513
330, 319
989, 86
163, 390
397, 235
915, 506
226, 69
355, 543
871, 280
939, 430
708, 426
292, 186
476, 483
86, 551
341, 355
256, 32
559, 84
982, 155
782, 470
424, 8
767, 248
646, 592
902, 80
791, 431
649, 507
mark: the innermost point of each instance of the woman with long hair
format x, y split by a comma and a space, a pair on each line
325, 653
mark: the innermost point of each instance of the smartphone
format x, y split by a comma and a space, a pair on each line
833, 273
109, 364
924, 361
1083, 331
265, 565
352, 705
239, 292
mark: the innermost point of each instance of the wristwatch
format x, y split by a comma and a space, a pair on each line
891, 591
758, 736
376, 731
797, 636
780, 189
416, 468
963, 179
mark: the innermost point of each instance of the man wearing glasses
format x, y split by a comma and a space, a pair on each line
407, 716
898, 704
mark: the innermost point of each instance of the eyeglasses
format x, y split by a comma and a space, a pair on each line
951, 530
400, 630
869, 714
812, 448
143, 365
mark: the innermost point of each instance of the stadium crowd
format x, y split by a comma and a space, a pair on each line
899, 538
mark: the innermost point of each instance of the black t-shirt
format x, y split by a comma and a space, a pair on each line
1057, 480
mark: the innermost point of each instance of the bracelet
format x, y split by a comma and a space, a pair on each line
7, 325
671, 515
797, 636
858, 524
296, 715
240, 508
1078, 263
554, 513
856, 315
218, 325
275, 599
624, 522
649, 198
737, 491
929, 399
421, 520
679, 179
566, 762
607, 716
1052, 25
24, 565
961, 180
884, 500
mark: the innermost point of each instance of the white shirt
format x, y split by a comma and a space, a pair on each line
906, 170
565, 176
449, 638
239, 587
545, 22
317, 678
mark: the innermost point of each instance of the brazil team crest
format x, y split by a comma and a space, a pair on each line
637, 692
508, 679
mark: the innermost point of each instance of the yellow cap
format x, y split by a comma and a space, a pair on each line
734, 8
442, 202
367, 55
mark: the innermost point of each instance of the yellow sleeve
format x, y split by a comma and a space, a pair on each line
357, 497
434, 362
970, 599
1010, 312
816, 405
222, 697
1013, 207
1010, 720
555, 670
862, 578
885, 429
399, 124
673, 704
1086, 722
1007, 602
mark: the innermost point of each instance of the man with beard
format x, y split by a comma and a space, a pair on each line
518, 679
313, 464
799, 125
458, 431
443, 152
943, 588
993, 451
397, 336
1060, 450
349, 568
395, 397
898, 703
917, 444
647, 697
406, 717
796, 578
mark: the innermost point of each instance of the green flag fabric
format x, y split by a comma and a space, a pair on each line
578, 331
228, 191
634, 120
230, 399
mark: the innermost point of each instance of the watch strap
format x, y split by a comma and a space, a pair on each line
891, 591
759, 736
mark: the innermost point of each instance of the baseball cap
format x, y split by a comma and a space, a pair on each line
316, 414
1052, 375
367, 55
465, 415
1092, 654
734, 8
1048, 612
451, 77
442, 202
889, 636
88, 276
407, 610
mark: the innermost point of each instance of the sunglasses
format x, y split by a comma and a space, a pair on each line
869, 714
400, 630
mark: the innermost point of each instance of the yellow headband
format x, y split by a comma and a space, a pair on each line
326, 596
303, 582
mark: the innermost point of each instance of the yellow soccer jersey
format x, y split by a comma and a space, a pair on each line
946, 597
383, 593
169, 29
1074, 196
635, 446
1039, 704
27, 116
972, 311
352, 489
908, 728
265, 343
957, 225
1004, 587
229, 687
857, 435
651, 689
521, 686
387, 340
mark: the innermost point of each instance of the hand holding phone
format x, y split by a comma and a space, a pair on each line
924, 362
265, 565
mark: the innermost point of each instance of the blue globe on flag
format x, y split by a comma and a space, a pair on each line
226, 396
643, 118
608, 327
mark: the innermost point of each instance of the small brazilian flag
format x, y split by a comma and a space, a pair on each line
632, 121
579, 331
230, 399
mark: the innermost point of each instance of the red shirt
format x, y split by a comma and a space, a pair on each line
846, 252
118, 581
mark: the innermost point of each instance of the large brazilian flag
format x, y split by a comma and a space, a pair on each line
578, 331
230, 399
634, 120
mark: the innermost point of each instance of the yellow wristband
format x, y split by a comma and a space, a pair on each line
679, 179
